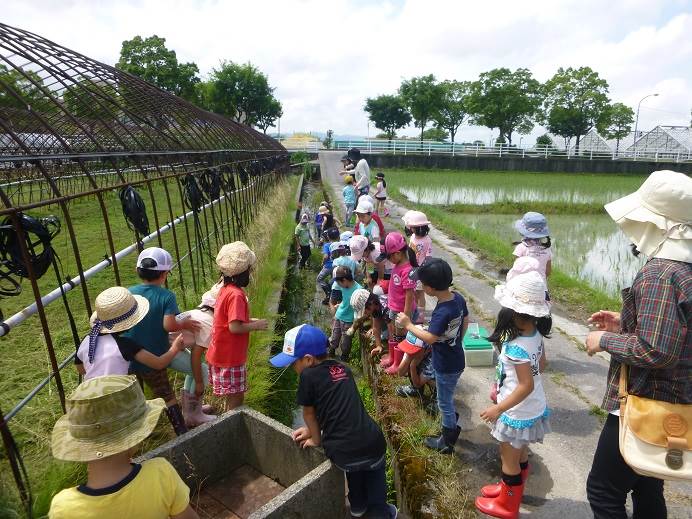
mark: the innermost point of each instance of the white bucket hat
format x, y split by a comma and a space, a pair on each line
364, 207
358, 244
657, 217
359, 299
416, 219
524, 294
234, 258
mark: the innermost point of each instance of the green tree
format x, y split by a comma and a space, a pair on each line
506, 100
576, 100
544, 141
152, 61
239, 91
30, 93
453, 110
422, 97
435, 134
269, 112
388, 113
329, 139
616, 123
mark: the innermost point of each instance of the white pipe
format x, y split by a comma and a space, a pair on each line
30, 310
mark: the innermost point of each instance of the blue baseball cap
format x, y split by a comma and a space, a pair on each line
298, 342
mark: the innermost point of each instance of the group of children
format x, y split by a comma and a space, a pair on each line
367, 275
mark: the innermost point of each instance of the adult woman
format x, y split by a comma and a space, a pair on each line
652, 335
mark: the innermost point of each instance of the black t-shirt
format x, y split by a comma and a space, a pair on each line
348, 433
128, 348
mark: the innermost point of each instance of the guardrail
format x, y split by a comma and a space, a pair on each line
405, 147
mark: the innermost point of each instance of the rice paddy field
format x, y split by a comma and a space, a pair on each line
590, 253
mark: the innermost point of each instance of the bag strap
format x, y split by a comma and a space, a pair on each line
622, 392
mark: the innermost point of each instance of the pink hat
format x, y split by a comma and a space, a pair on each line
523, 265
358, 244
416, 219
394, 242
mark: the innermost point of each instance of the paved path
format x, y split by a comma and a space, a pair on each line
574, 385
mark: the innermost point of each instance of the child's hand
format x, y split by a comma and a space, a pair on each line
376, 351
179, 343
309, 443
402, 320
259, 324
491, 414
191, 324
300, 435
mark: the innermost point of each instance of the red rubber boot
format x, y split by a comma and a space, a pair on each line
494, 490
397, 356
386, 360
505, 505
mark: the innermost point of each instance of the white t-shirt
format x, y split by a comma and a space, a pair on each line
533, 249
519, 351
202, 337
111, 356
362, 174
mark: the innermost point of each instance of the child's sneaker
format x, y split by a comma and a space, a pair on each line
408, 391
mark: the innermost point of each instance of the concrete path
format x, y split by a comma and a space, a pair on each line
574, 385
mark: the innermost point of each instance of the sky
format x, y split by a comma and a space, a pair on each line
325, 58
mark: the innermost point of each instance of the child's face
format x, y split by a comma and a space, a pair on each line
397, 257
364, 218
302, 363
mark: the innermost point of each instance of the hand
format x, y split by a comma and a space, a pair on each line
301, 434
593, 343
606, 321
402, 320
199, 389
192, 325
369, 334
309, 443
491, 414
376, 351
259, 324
179, 343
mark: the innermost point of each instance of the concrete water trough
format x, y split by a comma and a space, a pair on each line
246, 465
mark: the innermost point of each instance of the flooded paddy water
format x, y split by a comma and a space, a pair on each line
587, 247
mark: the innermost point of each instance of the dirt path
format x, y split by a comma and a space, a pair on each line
574, 385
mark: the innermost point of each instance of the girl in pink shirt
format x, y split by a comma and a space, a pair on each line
535, 242
421, 244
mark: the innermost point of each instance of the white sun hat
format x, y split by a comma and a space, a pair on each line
524, 294
657, 217
359, 299
364, 207
358, 244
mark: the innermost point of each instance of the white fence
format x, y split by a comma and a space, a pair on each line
406, 146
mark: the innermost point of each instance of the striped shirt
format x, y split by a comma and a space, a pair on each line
656, 336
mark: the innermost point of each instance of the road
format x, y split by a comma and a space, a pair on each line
574, 385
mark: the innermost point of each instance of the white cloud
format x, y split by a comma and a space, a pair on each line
326, 58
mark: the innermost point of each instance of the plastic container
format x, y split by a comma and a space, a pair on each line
477, 350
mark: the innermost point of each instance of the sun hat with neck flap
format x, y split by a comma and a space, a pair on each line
525, 294
235, 258
105, 416
657, 217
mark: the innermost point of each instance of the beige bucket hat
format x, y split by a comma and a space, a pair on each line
524, 293
234, 258
105, 416
658, 216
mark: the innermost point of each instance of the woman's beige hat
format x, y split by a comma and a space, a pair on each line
658, 216
234, 258
105, 416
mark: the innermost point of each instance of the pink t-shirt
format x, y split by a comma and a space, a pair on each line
422, 246
533, 249
398, 285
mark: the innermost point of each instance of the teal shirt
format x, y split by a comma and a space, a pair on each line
349, 193
344, 312
149, 332
344, 261
303, 234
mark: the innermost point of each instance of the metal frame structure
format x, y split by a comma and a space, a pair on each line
72, 129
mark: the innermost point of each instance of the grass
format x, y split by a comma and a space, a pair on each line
23, 358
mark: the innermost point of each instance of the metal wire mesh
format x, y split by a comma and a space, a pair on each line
73, 134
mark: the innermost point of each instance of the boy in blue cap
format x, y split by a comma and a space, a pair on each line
336, 419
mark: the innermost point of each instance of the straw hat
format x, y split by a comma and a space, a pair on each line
525, 294
105, 416
118, 310
658, 216
234, 258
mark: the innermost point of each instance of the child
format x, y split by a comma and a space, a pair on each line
421, 244
153, 266
378, 221
197, 371
521, 415
303, 239
345, 236
445, 334
336, 419
381, 194
112, 418
536, 241
417, 365
400, 296
343, 313
367, 305
326, 272
104, 351
366, 225
349, 194
230, 333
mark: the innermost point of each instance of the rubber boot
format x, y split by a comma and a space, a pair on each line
397, 356
208, 409
444, 443
505, 505
175, 416
386, 360
494, 490
192, 410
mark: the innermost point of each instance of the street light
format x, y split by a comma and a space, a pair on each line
636, 123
